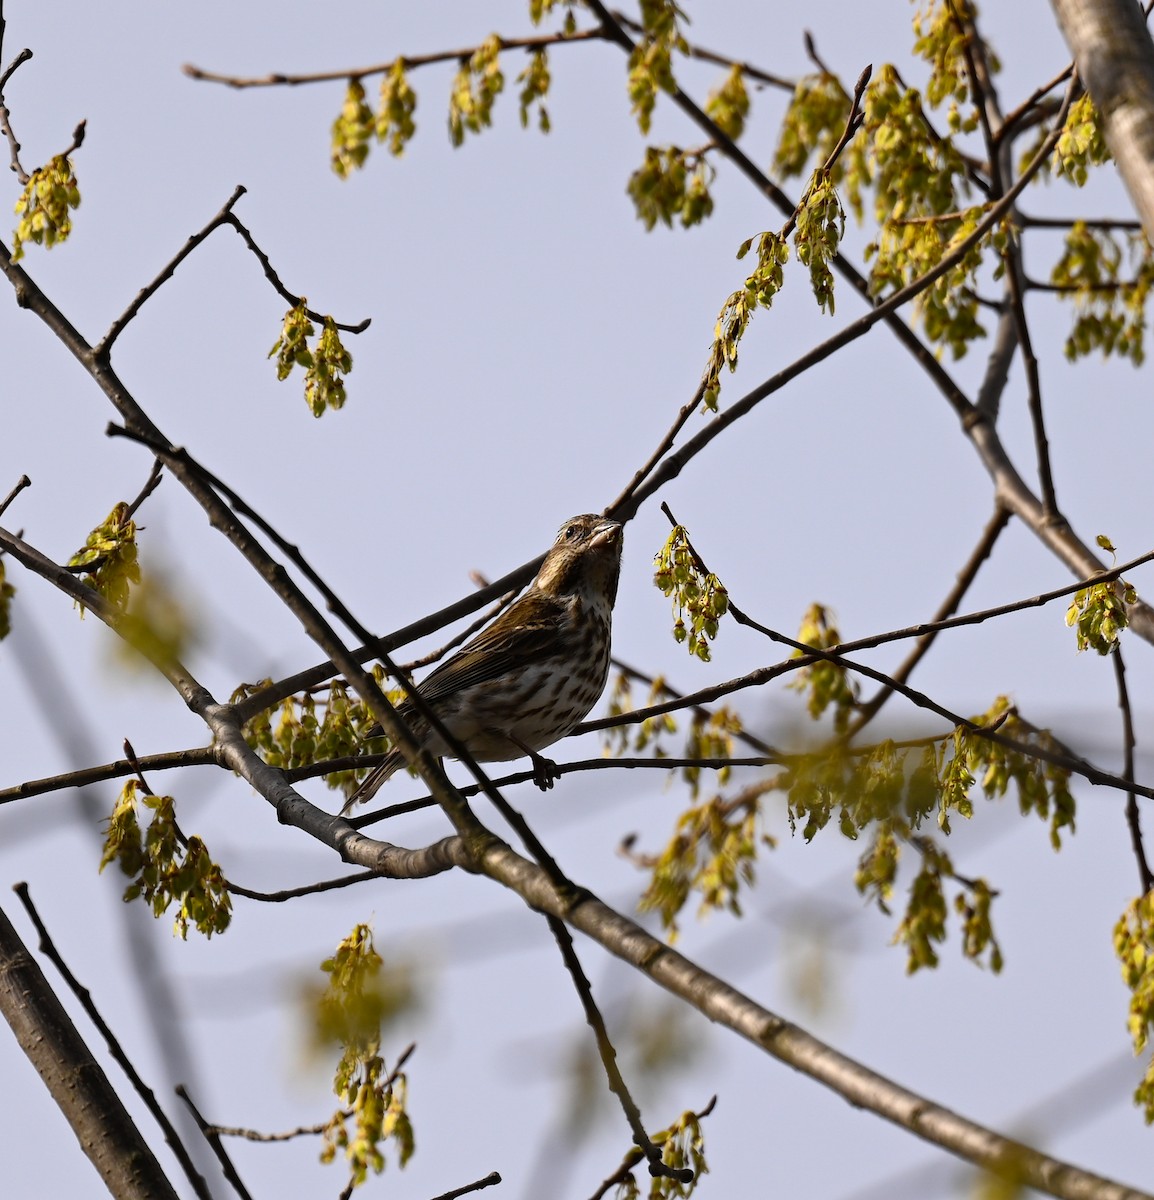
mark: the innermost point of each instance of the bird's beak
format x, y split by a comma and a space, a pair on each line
605, 534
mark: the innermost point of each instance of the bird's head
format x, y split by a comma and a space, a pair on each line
586, 558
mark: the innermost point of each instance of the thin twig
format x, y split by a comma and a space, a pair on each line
1017, 115
215, 1145
311, 889
1068, 760
241, 507
991, 120
701, 714
853, 123
21, 484
494, 1177
1133, 820
722, 60
633, 1157
6, 118
993, 530
169, 760
274, 279
1105, 223
104, 346
1014, 286
617, 1085
257, 1135
409, 61
84, 996
225, 217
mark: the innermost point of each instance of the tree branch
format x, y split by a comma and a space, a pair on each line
1111, 47
280, 79
81, 1090
48, 949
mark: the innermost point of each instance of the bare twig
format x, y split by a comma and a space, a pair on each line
991, 120
225, 217
162, 450
274, 279
993, 530
215, 1145
5, 116
257, 1135
170, 760
104, 346
477, 1185
1018, 116
722, 60
608, 1055
1125, 224
21, 484
1133, 820
311, 889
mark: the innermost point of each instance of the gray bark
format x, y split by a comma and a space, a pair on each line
1111, 45
77, 1083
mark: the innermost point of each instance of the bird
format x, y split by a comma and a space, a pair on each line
531, 675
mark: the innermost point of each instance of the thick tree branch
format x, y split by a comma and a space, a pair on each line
1111, 46
81, 1090
792, 1045
49, 950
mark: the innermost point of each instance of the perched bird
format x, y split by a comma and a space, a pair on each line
531, 676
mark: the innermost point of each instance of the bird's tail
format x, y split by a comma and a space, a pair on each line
373, 780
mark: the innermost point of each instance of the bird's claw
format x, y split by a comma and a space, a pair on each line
545, 771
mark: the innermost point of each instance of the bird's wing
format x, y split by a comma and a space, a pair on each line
527, 631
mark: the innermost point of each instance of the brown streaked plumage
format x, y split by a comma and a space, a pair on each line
532, 676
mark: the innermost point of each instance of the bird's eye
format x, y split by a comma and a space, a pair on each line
572, 533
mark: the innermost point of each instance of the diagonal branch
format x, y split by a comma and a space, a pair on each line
969, 572
49, 950
1133, 821
78, 1084
617, 1085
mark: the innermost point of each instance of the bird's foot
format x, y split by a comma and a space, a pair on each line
545, 771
